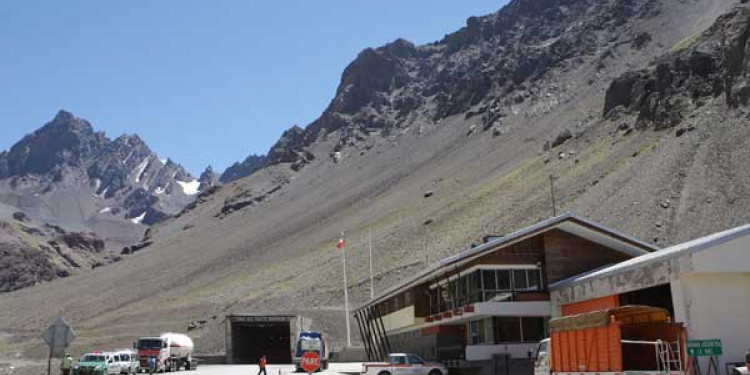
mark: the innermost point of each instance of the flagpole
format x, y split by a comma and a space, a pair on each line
372, 282
346, 294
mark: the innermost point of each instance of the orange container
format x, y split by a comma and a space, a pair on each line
592, 342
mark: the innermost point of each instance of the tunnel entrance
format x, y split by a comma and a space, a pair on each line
250, 337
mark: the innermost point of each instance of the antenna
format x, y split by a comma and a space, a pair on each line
552, 194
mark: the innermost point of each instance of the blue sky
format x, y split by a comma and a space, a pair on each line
203, 82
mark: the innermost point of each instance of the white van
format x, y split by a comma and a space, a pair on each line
127, 361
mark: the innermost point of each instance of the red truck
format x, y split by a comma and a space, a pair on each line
632, 339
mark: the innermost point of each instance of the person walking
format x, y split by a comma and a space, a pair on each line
262, 365
67, 364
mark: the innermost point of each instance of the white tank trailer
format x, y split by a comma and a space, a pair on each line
172, 351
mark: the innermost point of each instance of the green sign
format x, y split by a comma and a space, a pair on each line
704, 348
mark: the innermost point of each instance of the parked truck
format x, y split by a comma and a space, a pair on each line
309, 341
634, 339
404, 364
172, 351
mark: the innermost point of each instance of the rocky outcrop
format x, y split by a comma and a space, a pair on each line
31, 253
482, 70
239, 170
208, 179
714, 65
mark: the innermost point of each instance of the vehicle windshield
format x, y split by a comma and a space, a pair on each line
149, 344
308, 344
92, 358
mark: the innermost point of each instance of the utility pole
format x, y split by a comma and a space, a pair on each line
552, 194
346, 292
372, 281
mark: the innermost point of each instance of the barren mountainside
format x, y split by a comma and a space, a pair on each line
635, 110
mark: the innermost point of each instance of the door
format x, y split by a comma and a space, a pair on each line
399, 365
416, 365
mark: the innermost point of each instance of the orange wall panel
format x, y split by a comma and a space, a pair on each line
591, 305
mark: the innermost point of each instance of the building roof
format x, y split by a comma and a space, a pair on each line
567, 222
657, 256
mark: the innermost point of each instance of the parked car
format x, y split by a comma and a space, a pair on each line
404, 364
127, 361
96, 363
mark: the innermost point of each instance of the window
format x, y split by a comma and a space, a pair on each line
533, 329
414, 360
125, 357
535, 280
519, 329
476, 332
488, 278
398, 360
507, 329
519, 280
503, 280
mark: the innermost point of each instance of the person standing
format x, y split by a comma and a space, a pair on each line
152, 365
262, 365
67, 364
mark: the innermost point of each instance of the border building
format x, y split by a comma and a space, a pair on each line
492, 299
704, 283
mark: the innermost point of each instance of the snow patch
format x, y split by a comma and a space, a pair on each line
104, 192
139, 219
128, 157
191, 187
142, 168
163, 161
105, 210
159, 190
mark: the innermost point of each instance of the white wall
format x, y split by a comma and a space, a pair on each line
716, 306
400, 319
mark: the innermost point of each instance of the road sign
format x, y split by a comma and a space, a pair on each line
310, 362
704, 348
58, 336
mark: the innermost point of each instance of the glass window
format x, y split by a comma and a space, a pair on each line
125, 357
412, 359
519, 280
476, 332
488, 278
117, 358
398, 360
507, 329
503, 279
535, 281
533, 329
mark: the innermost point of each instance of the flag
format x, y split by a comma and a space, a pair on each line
341, 244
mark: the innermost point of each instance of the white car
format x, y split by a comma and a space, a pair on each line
127, 361
404, 364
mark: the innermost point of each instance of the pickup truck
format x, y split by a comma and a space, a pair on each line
404, 364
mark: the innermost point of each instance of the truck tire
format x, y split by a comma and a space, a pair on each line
435, 372
384, 373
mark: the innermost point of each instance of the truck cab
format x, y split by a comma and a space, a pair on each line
311, 342
541, 362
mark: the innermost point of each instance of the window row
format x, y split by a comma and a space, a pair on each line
483, 285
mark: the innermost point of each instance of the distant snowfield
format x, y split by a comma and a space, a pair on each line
191, 187
139, 219
105, 210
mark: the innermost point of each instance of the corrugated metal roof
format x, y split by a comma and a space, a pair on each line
660, 255
543, 226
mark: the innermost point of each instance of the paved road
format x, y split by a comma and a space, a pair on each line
334, 369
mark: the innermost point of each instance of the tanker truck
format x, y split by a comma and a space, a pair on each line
172, 351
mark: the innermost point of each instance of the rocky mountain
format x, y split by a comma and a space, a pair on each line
633, 109
68, 175
32, 252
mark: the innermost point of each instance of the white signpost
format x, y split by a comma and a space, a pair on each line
58, 337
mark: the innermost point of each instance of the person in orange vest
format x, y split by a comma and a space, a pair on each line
262, 364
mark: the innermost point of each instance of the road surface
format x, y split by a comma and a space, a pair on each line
333, 369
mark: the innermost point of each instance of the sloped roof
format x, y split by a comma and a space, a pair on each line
567, 222
657, 256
